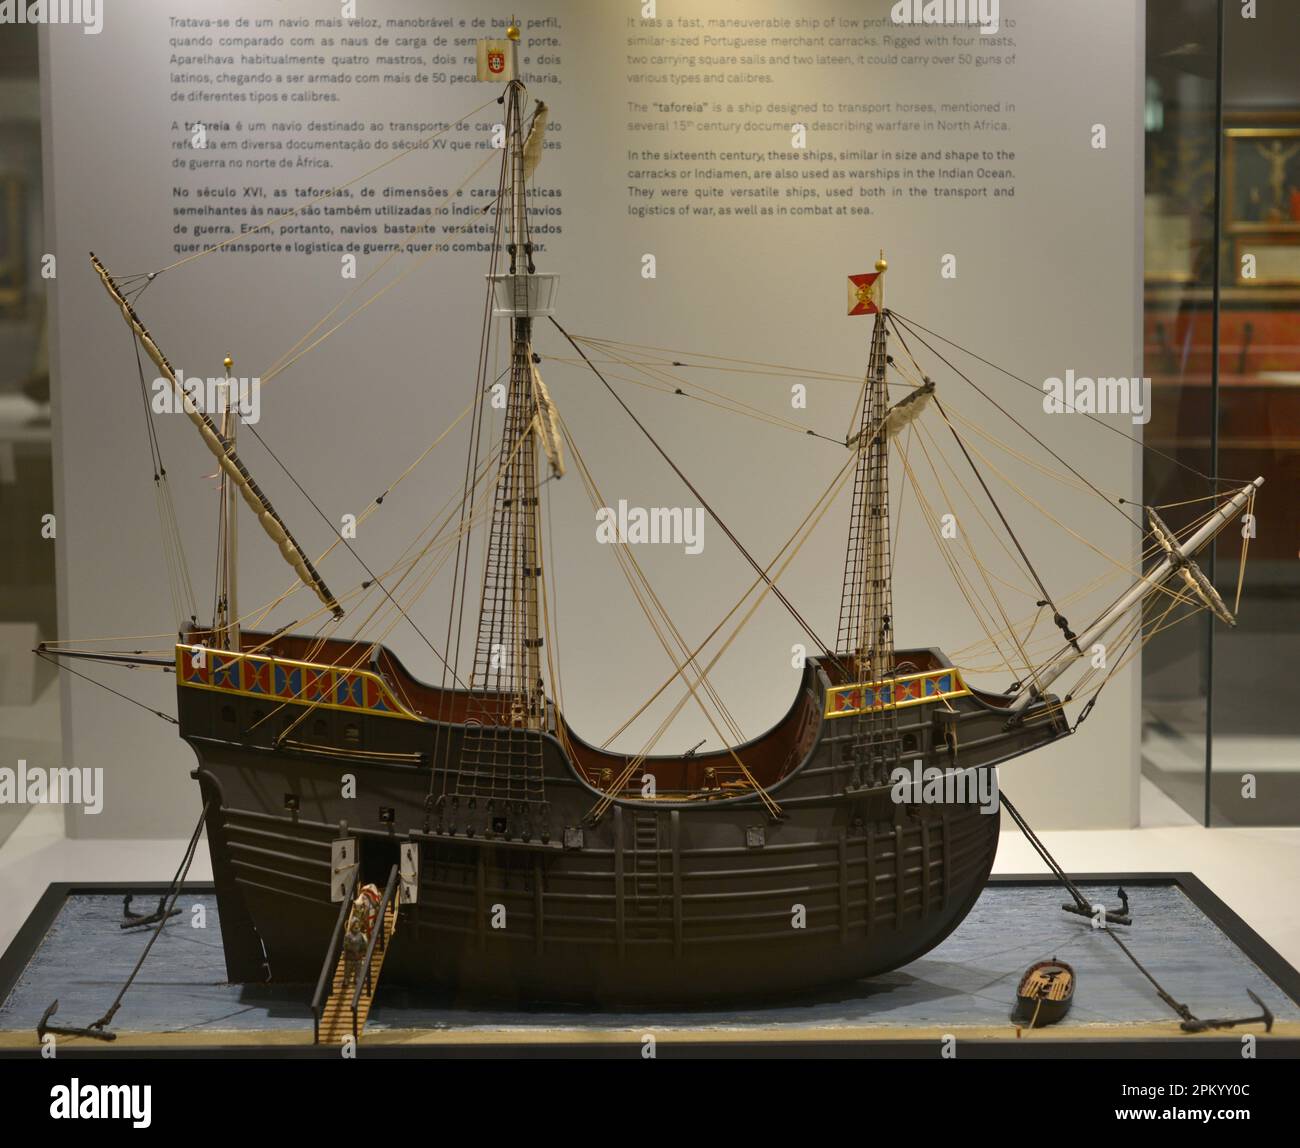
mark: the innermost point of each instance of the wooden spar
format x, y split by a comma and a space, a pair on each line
1173, 561
224, 451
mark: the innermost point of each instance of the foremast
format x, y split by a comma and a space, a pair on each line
865, 642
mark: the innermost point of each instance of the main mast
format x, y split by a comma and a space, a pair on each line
866, 631
507, 659
501, 758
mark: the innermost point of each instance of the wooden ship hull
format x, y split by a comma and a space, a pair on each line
689, 898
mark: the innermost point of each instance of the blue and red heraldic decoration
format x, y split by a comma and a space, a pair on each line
913, 689
301, 683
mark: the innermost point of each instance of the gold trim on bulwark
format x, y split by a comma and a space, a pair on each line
894, 693
291, 682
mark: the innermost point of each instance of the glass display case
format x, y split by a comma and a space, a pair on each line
1222, 346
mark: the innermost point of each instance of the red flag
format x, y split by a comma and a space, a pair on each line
864, 295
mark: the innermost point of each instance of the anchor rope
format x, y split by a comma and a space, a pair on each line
174, 889
753, 562
1181, 1009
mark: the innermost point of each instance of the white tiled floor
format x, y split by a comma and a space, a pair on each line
1256, 871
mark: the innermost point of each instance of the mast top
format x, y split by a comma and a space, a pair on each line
512, 33
881, 265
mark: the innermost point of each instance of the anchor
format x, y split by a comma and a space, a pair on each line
134, 920
95, 1031
1118, 916
1195, 1024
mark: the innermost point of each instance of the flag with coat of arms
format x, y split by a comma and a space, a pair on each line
494, 60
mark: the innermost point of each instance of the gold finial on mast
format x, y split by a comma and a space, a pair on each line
881, 265
512, 34
227, 362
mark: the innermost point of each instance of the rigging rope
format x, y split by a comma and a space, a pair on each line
780, 596
629, 565
179, 584
1086, 908
931, 518
1038, 390
460, 562
261, 612
177, 884
350, 548
670, 384
419, 145
75, 673
1058, 617
967, 379
811, 522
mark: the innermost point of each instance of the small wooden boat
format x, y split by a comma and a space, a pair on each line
1044, 995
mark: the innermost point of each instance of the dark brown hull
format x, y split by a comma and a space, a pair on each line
656, 903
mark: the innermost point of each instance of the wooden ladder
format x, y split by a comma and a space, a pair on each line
336, 1019
646, 876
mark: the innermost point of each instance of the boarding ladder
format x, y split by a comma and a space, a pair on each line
346, 1008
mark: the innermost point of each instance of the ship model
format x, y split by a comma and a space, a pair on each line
511, 859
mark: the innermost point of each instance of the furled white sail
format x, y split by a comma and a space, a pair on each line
533, 144
548, 426
897, 417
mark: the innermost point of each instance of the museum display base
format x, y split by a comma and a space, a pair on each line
71, 948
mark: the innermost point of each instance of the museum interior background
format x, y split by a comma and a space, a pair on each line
29, 695
1223, 352
1224, 359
